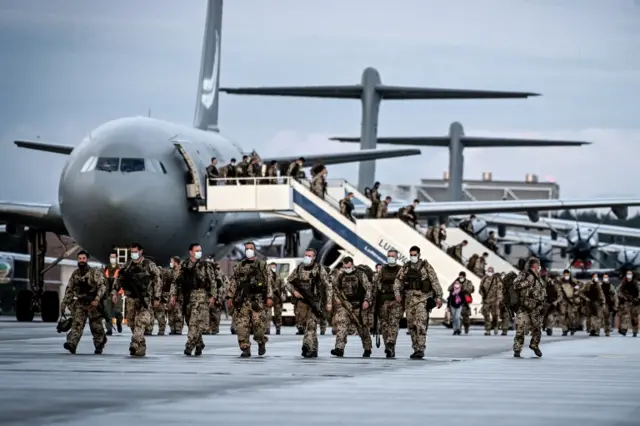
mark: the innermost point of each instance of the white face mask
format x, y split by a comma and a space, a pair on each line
273, 269
461, 279
197, 254
489, 274
566, 277
595, 279
414, 259
629, 277
391, 260
112, 260
171, 265
348, 270
307, 260
135, 256
250, 253
605, 280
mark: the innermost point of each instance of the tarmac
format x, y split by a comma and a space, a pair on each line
465, 380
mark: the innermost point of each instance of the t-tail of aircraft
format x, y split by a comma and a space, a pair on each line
206, 114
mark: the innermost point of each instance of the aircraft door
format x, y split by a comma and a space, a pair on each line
196, 176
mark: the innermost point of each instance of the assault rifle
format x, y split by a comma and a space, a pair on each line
307, 299
133, 284
347, 307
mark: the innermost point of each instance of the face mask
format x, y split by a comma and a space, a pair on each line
249, 253
414, 259
135, 256
461, 279
489, 274
198, 254
273, 269
112, 260
595, 279
348, 270
82, 265
605, 280
391, 260
307, 260
171, 265
566, 277
233, 163
629, 277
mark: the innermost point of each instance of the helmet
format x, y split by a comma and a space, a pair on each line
64, 325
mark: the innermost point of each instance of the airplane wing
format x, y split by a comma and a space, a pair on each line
21, 257
45, 146
514, 220
41, 216
347, 157
241, 227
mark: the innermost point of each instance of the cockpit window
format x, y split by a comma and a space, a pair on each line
89, 165
129, 165
108, 164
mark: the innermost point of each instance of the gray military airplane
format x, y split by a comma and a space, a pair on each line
126, 180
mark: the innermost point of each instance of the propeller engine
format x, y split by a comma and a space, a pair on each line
582, 244
543, 251
628, 259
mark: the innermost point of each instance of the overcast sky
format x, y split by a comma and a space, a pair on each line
66, 66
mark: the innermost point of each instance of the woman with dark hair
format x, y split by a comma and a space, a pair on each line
457, 299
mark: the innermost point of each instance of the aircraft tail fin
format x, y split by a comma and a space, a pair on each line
46, 147
206, 114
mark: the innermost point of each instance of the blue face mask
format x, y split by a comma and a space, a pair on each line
135, 256
197, 254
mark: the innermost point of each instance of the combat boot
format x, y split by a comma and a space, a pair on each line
337, 352
300, 332
98, 350
536, 351
262, 349
199, 350
322, 332
487, 333
233, 331
549, 331
516, 354
390, 351
593, 333
312, 354
68, 346
305, 350
119, 326
333, 331
278, 330
417, 355
161, 333
268, 331
635, 334
366, 353
607, 334
187, 351
572, 332
504, 333
109, 333
623, 332
246, 353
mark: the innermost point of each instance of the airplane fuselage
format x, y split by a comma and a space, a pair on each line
143, 198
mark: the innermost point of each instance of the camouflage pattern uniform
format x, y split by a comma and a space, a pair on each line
319, 185
346, 207
278, 299
594, 303
356, 289
415, 283
610, 306
112, 309
147, 277
570, 306
532, 294
196, 281
215, 311
297, 313
160, 311
383, 210
391, 311
85, 285
468, 288
250, 286
437, 235
505, 309
629, 300
176, 320
491, 293
315, 280
374, 196
479, 265
457, 252
553, 302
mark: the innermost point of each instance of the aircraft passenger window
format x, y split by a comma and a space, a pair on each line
108, 164
89, 165
128, 165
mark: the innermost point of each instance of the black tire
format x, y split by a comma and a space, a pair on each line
24, 306
50, 306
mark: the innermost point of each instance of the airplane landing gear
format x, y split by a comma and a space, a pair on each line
35, 299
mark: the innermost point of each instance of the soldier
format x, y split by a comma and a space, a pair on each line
297, 313
509, 304
242, 170
307, 283
491, 242
196, 282
279, 294
468, 288
467, 225
456, 251
212, 172
87, 286
215, 311
230, 172
415, 284
161, 310
255, 170
374, 196
629, 300
480, 265
532, 294
319, 182
611, 304
332, 276
383, 208
294, 169
352, 296
570, 306
141, 281
272, 173
323, 303
112, 301
387, 308
251, 295
594, 304
491, 293
408, 214
346, 207
176, 321
437, 235
553, 302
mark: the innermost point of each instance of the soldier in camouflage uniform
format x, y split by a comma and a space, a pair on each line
383, 208
112, 301
160, 312
390, 311
415, 283
176, 321
84, 293
197, 283
251, 295
279, 295
594, 304
629, 300
456, 251
215, 311
324, 322
141, 281
611, 304
553, 302
352, 296
437, 234
571, 303
319, 182
374, 196
468, 288
506, 311
532, 295
311, 278
491, 293
346, 206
